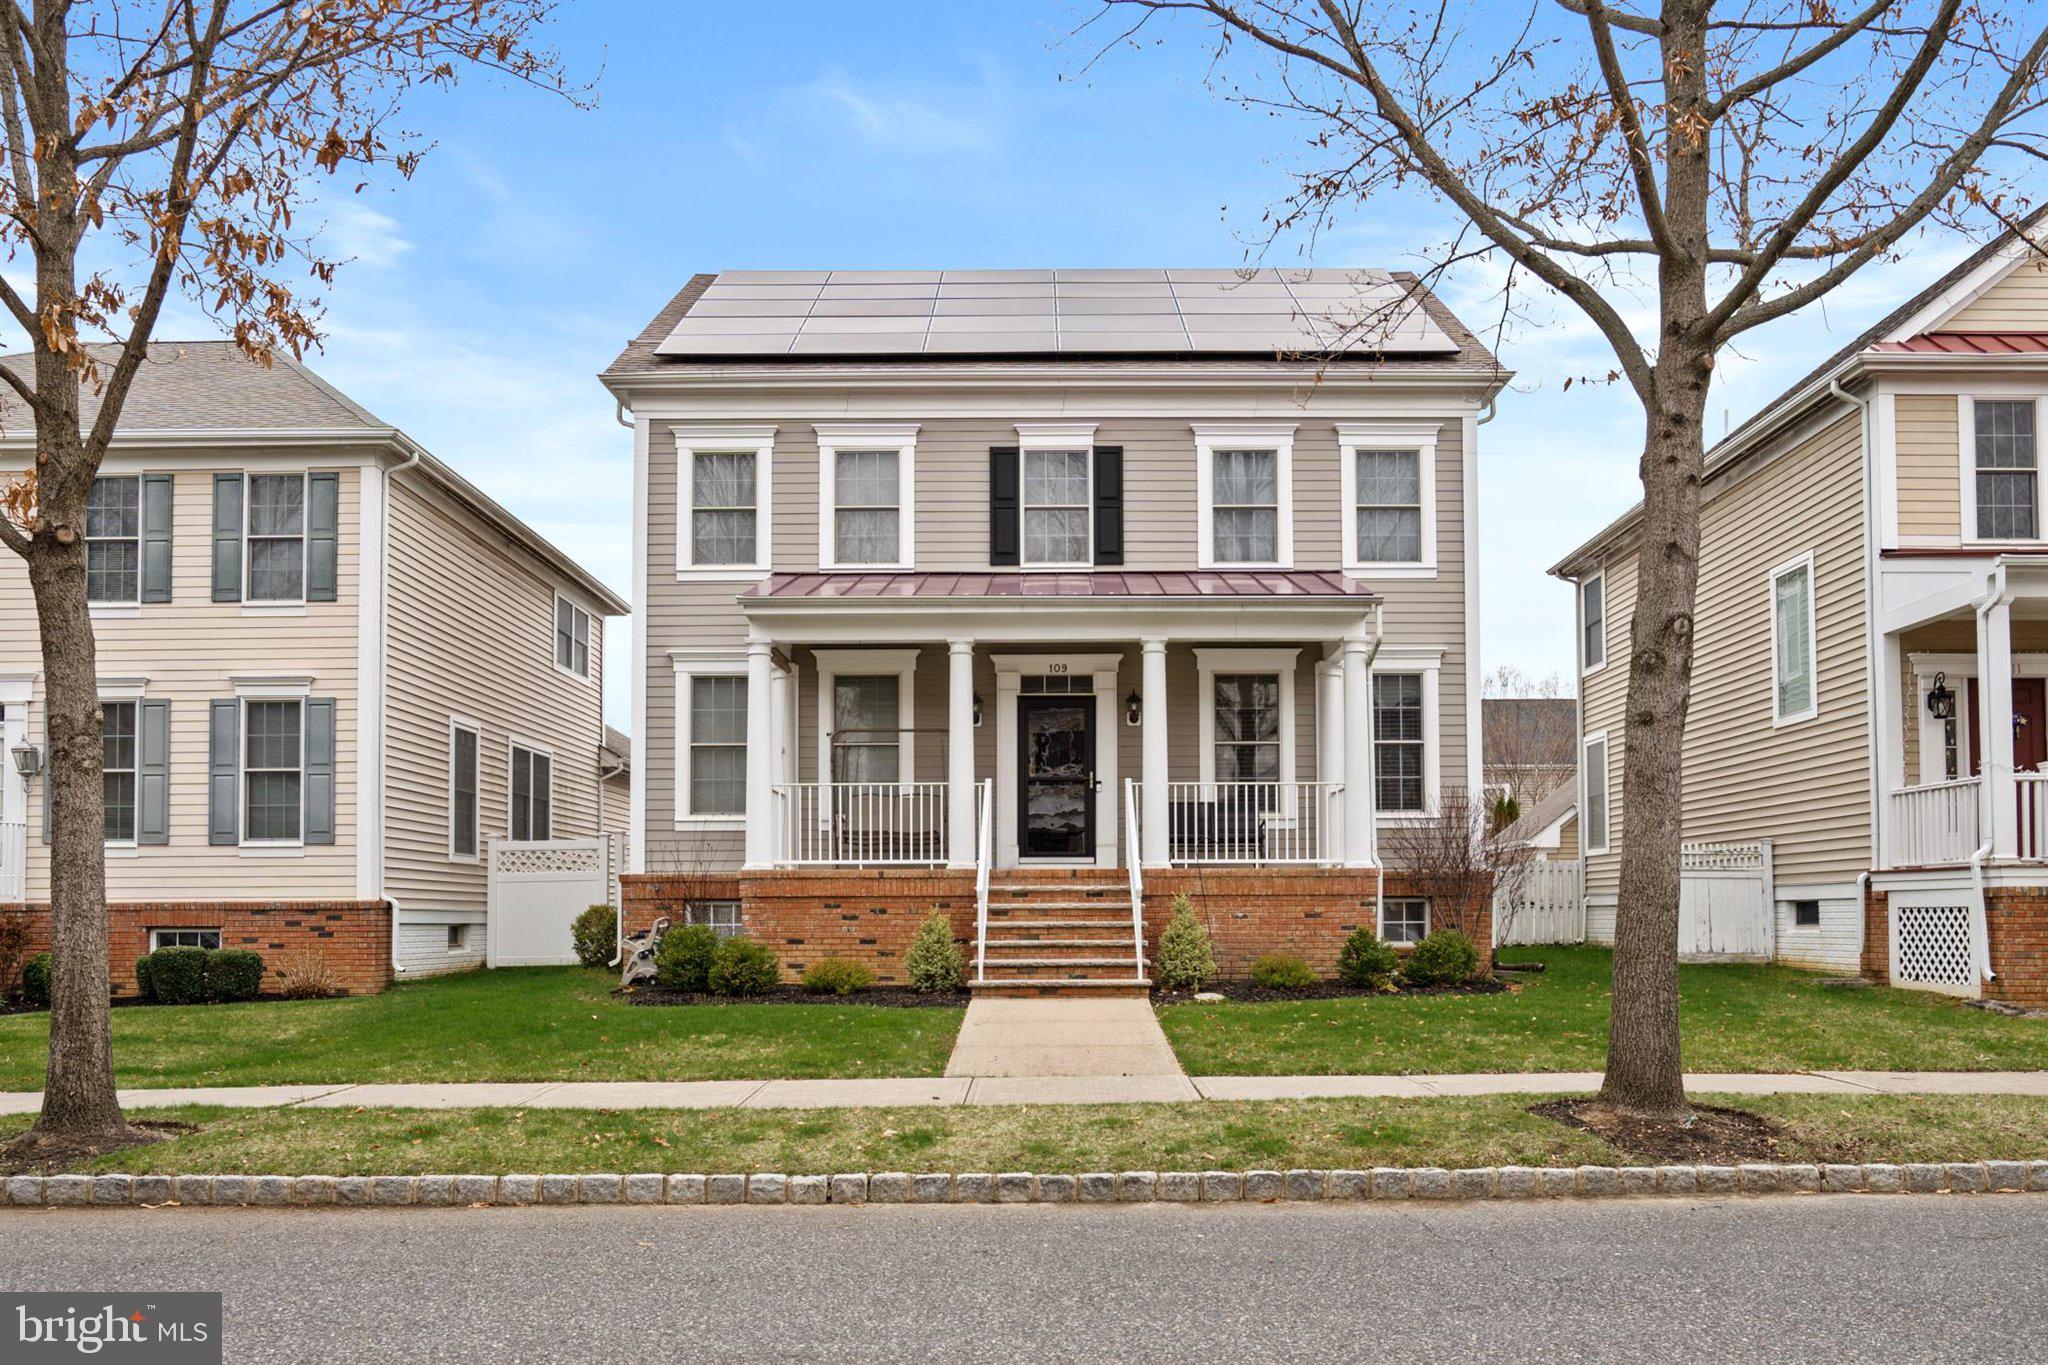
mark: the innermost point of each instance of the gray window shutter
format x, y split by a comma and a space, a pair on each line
319, 777
224, 782
323, 536
227, 540
153, 776
156, 537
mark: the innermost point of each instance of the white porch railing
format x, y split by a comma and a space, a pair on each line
2031, 789
1935, 823
1252, 822
861, 823
1132, 862
13, 860
984, 857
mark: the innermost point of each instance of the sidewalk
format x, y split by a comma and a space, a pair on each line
997, 1090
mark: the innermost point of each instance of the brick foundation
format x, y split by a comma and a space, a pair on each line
870, 914
353, 937
2017, 918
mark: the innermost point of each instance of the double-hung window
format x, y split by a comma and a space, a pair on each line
120, 758
1247, 727
2007, 470
723, 501
1792, 672
1246, 488
1593, 773
1389, 492
1058, 506
715, 743
1399, 738
865, 510
1592, 623
113, 540
463, 822
572, 638
276, 536
533, 794
273, 770
867, 742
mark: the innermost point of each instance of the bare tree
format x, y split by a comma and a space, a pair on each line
1528, 729
1736, 162
1458, 858
147, 146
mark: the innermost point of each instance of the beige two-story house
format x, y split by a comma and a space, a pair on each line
1871, 651
1041, 595
332, 673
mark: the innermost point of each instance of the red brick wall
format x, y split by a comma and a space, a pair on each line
2017, 918
353, 937
1877, 937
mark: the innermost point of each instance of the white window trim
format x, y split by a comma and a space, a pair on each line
456, 725
1211, 437
115, 608
1421, 438
1063, 438
1382, 917
249, 597
757, 441
1606, 841
1588, 668
896, 436
127, 692
1966, 466
1430, 666
511, 745
589, 637
256, 693
1209, 663
219, 933
1812, 707
834, 664
685, 673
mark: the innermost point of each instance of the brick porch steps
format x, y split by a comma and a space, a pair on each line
1060, 931
1092, 989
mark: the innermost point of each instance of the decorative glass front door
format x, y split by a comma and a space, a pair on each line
1056, 776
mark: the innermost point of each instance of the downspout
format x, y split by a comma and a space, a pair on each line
619, 912
1980, 924
1872, 661
384, 697
1379, 864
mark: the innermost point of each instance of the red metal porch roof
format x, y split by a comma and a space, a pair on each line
1205, 583
1967, 343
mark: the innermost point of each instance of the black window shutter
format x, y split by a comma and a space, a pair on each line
156, 537
1109, 504
1004, 519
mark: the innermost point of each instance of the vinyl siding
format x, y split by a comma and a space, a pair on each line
1604, 694
187, 651
2017, 303
1930, 499
1804, 785
472, 634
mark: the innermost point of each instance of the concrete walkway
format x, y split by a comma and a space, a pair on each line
1066, 1038
996, 1090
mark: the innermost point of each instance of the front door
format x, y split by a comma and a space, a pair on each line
2029, 725
1056, 776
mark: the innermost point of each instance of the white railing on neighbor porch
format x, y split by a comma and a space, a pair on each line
13, 860
2032, 792
1252, 822
984, 858
1133, 857
862, 823
1935, 823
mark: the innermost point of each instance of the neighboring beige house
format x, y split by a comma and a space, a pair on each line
1549, 827
333, 672
615, 764
973, 587
1872, 649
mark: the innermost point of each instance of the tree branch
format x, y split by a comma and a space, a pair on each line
1636, 146
1792, 66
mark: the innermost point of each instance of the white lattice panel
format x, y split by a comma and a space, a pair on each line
1721, 857
514, 860
1932, 948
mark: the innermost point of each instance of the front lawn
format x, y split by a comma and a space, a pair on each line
514, 1024
1335, 1134
1735, 1018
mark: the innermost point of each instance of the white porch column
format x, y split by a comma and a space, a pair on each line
763, 828
1330, 750
1152, 770
2000, 808
1359, 850
960, 794
1888, 738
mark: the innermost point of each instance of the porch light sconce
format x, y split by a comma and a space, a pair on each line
1941, 703
28, 759
977, 710
1134, 709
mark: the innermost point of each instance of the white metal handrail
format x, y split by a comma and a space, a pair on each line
862, 824
13, 860
984, 849
1936, 822
1252, 822
1132, 858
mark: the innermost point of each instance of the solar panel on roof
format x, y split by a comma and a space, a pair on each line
765, 313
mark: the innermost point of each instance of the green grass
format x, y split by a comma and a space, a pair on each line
1734, 1018
520, 1024
1344, 1134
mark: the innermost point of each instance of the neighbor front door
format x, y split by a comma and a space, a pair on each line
1056, 777
2029, 725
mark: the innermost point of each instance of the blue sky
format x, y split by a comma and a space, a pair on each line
485, 294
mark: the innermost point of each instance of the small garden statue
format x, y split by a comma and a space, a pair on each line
638, 964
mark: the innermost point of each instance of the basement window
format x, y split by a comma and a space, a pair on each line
1806, 914
721, 917
183, 938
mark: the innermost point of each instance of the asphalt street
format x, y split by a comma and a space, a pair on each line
1837, 1279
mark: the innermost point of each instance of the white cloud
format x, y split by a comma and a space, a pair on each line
890, 115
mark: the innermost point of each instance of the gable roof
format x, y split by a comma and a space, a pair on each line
1554, 805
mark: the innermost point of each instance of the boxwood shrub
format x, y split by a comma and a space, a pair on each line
682, 960
35, 982
1444, 958
742, 966
595, 935
1282, 972
837, 976
142, 986
177, 976
1366, 962
233, 974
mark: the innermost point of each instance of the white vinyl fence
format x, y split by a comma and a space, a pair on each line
1725, 908
1543, 906
537, 889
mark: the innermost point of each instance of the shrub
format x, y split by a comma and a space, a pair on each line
233, 974
177, 976
1184, 962
1282, 972
1445, 958
933, 963
596, 936
837, 976
1366, 962
13, 947
305, 975
742, 966
682, 960
142, 985
35, 982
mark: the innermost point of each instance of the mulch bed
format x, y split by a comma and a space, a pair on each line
891, 997
1710, 1135
1244, 992
28, 1155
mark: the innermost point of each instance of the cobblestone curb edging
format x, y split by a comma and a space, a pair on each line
1021, 1187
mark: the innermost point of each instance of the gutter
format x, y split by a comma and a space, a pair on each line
1980, 926
384, 698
